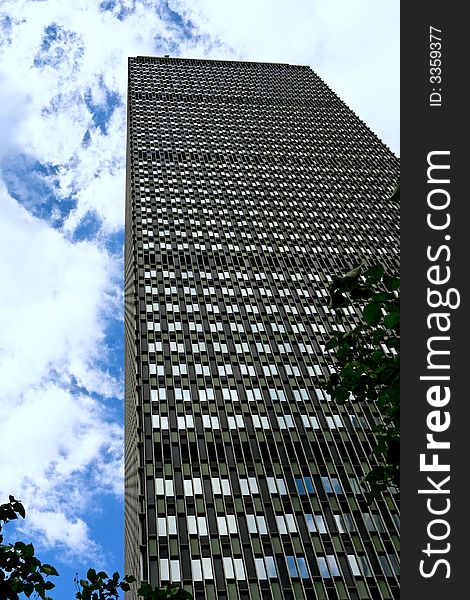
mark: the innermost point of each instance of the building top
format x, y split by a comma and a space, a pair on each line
206, 61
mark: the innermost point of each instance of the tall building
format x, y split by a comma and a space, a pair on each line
248, 186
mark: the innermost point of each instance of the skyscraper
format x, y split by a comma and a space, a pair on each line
248, 186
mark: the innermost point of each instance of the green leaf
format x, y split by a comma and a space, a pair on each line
372, 313
374, 274
391, 283
331, 343
381, 297
391, 320
145, 589
19, 508
49, 570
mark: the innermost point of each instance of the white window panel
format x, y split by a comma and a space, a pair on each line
271, 485
171, 523
281, 486
164, 569
281, 524
260, 568
244, 487
354, 566
202, 525
239, 569
216, 485
222, 525
251, 520
261, 522
188, 487
270, 567
291, 524
192, 526
196, 569
207, 568
159, 486
197, 486
232, 524
228, 567
161, 526
175, 571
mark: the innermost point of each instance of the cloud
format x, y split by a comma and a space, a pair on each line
54, 304
57, 439
67, 68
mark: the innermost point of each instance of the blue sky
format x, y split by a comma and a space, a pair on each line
62, 164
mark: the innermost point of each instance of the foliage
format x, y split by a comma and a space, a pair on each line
21, 572
369, 362
98, 586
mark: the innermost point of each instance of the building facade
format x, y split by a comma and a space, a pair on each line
248, 186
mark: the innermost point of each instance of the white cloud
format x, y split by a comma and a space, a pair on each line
52, 315
56, 529
88, 54
56, 441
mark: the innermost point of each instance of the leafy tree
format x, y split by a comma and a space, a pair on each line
369, 361
98, 586
21, 572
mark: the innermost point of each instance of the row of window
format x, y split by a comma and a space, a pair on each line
286, 523
221, 486
202, 568
238, 422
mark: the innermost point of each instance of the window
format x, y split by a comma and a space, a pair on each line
291, 566
364, 566
260, 568
302, 566
164, 569
354, 566
339, 523
227, 524
207, 568
175, 571
333, 565
164, 487
239, 569
310, 523
304, 485
270, 567
228, 567
196, 569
